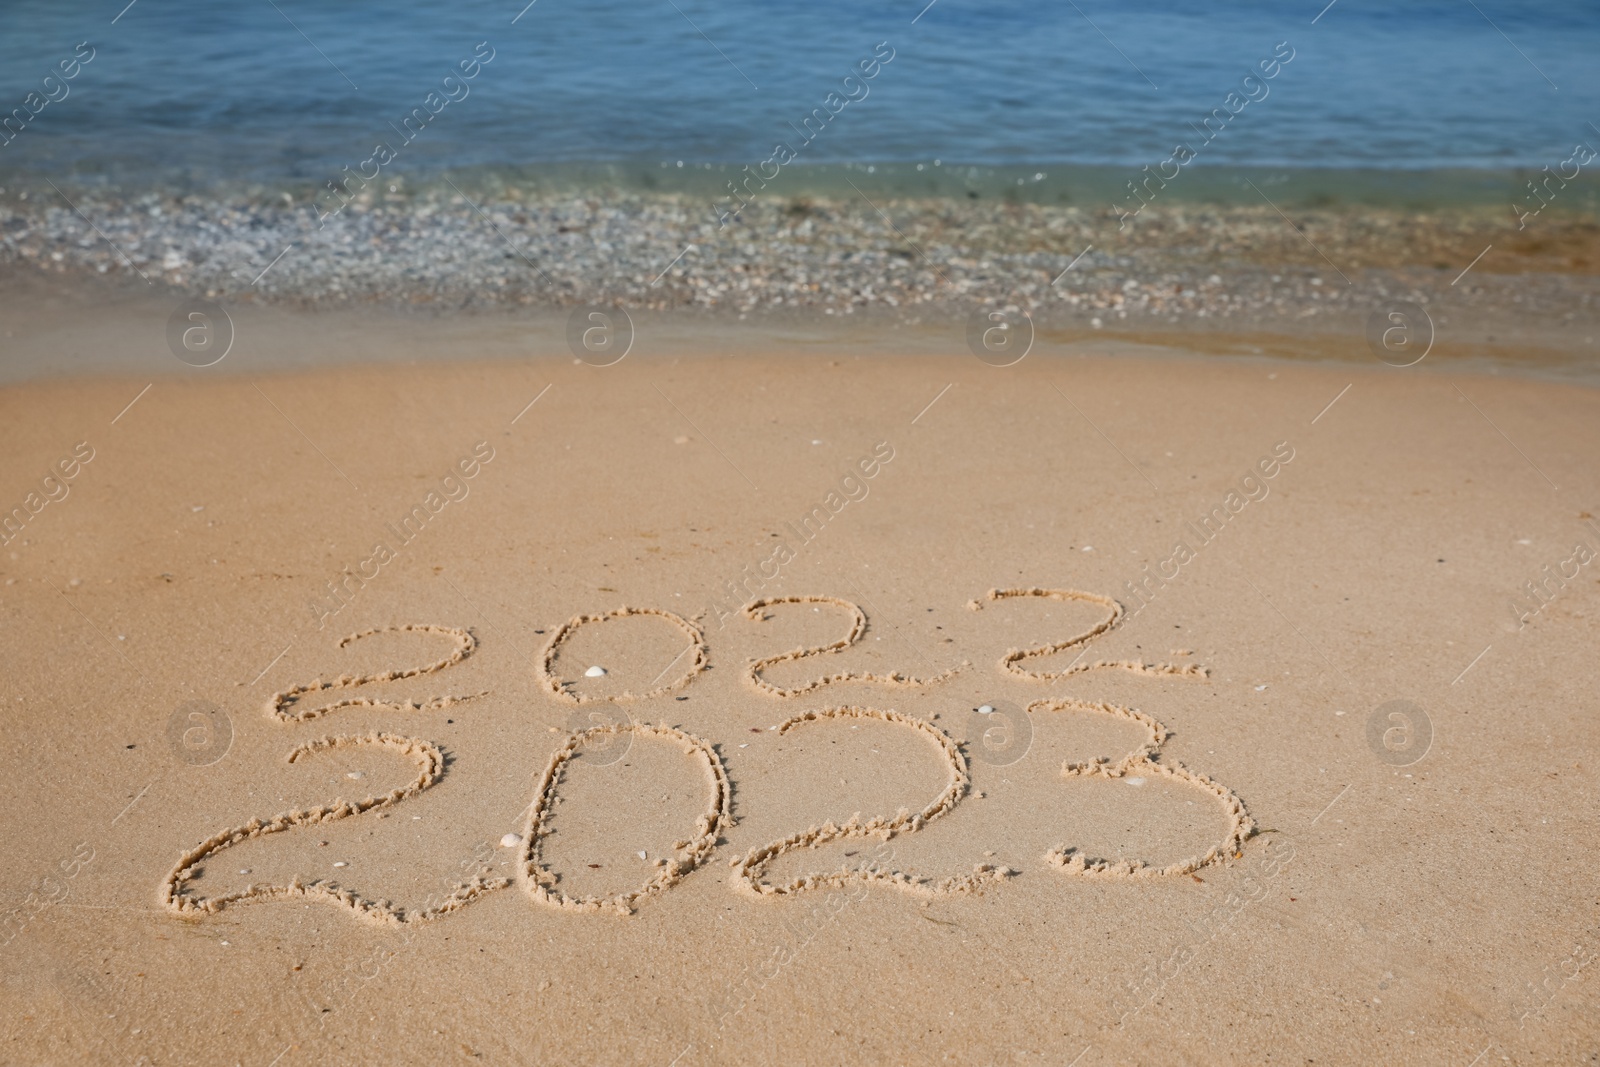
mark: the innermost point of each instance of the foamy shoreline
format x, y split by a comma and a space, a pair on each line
907, 258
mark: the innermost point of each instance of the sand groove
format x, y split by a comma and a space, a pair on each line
858, 627
557, 688
279, 706
539, 881
1146, 761
1012, 660
748, 869
430, 762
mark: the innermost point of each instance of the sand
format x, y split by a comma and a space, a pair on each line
302, 638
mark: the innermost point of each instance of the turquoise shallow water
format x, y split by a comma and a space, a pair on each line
288, 90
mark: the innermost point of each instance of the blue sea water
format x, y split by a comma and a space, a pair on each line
296, 89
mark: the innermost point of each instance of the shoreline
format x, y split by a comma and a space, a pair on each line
81, 329
1213, 276
496, 241
1061, 183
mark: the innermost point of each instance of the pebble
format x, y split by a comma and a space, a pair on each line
340, 863
431, 247
511, 841
354, 774
595, 672
987, 709
643, 854
1135, 781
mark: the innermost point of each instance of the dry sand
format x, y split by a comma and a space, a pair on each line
1411, 889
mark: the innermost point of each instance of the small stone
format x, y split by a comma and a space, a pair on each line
510, 841
354, 774
595, 672
340, 863
987, 709
643, 854
1135, 781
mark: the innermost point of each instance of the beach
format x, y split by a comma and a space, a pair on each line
960, 533
1400, 889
